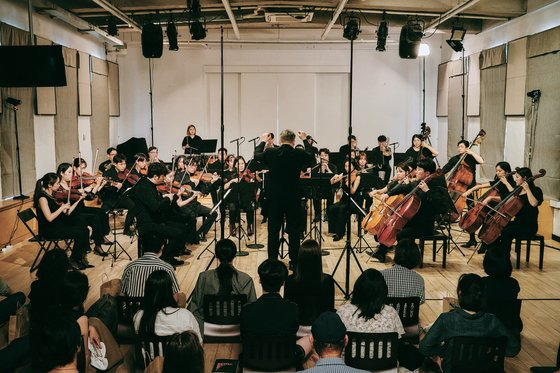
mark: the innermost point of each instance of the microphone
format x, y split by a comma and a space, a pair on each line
255, 139
394, 143
309, 138
237, 139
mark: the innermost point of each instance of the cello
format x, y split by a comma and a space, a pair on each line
402, 213
474, 218
459, 179
503, 213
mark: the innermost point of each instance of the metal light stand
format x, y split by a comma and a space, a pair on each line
21, 196
348, 251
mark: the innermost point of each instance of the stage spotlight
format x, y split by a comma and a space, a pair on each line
198, 32
382, 32
112, 27
456, 39
172, 36
352, 29
424, 50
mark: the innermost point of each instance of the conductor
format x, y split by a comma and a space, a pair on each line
284, 192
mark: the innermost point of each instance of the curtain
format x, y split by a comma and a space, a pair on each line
544, 42
493, 57
516, 76
114, 102
8, 156
84, 84
455, 111
492, 118
442, 89
100, 103
473, 86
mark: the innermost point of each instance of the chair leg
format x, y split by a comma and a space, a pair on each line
541, 253
434, 244
421, 253
518, 253
445, 246
528, 255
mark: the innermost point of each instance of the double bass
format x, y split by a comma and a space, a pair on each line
503, 213
473, 219
425, 132
402, 214
460, 178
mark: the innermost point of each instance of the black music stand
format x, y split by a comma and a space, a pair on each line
318, 186
209, 146
114, 211
215, 239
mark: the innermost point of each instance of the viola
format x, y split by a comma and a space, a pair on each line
474, 218
205, 177
129, 176
401, 214
460, 179
247, 176
61, 195
502, 214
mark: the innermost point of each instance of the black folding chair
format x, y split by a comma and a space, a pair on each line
221, 318
372, 351
407, 308
477, 354
45, 244
126, 309
151, 347
268, 353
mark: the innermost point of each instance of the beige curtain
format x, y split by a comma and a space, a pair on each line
8, 159
516, 76
114, 102
84, 84
442, 90
473, 86
493, 57
454, 123
544, 42
492, 119
100, 99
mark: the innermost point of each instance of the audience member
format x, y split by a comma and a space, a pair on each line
270, 314
160, 314
10, 304
136, 272
224, 281
466, 320
368, 313
328, 334
15, 354
501, 290
56, 345
401, 280
308, 281
182, 348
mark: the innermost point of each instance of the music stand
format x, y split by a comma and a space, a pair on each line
318, 186
209, 146
215, 239
114, 211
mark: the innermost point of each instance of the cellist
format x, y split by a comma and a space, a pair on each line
471, 159
432, 195
420, 149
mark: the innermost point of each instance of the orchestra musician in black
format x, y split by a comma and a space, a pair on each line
381, 155
192, 143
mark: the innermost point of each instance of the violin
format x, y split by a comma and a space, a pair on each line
131, 178
401, 214
247, 176
71, 196
474, 218
503, 213
460, 178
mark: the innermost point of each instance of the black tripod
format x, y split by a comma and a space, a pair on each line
215, 238
114, 211
283, 240
15, 104
361, 240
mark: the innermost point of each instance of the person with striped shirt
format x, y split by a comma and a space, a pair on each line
136, 272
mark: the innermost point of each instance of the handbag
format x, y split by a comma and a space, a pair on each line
19, 323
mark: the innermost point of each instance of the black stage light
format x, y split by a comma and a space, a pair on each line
198, 32
352, 29
456, 39
382, 32
17, 102
112, 27
172, 36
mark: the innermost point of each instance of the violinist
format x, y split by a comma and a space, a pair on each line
322, 168
153, 155
420, 149
401, 176
242, 196
504, 185
122, 180
433, 201
194, 184
525, 222
343, 150
363, 168
155, 215
93, 216
104, 166
216, 167
338, 212
472, 159
192, 143
81, 179
381, 156
54, 220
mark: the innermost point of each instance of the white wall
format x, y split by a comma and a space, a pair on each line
281, 83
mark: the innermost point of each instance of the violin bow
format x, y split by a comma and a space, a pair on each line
94, 162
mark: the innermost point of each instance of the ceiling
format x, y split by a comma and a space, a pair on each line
474, 15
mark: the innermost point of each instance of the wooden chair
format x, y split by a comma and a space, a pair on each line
372, 351
268, 353
221, 318
408, 309
435, 238
529, 240
477, 354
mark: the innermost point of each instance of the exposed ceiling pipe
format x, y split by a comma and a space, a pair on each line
118, 13
450, 14
30, 20
231, 17
334, 18
79, 23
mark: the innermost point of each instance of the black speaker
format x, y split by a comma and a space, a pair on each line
152, 40
409, 42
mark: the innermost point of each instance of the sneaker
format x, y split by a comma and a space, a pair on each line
174, 262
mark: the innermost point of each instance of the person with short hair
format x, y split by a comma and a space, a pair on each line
324, 168
183, 354
401, 280
467, 320
420, 149
192, 143
224, 280
328, 335
343, 150
270, 314
105, 165
381, 155
136, 273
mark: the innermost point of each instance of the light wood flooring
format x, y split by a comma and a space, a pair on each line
540, 290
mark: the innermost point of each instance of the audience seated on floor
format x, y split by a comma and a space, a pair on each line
368, 313
224, 281
466, 320
501, 290
136, 272
328, 335
401, 280
309, 279
160, 314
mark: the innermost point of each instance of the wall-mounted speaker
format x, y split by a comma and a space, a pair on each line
152, 40
409, 42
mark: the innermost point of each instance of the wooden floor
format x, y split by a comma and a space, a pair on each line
540, 290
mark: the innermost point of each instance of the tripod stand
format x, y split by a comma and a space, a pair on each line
215, 239
283, 241
361, 240
15, 104
114, 211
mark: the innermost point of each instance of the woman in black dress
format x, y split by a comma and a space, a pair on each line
414, 151
192, 143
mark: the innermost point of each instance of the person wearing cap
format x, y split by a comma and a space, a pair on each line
328, 335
